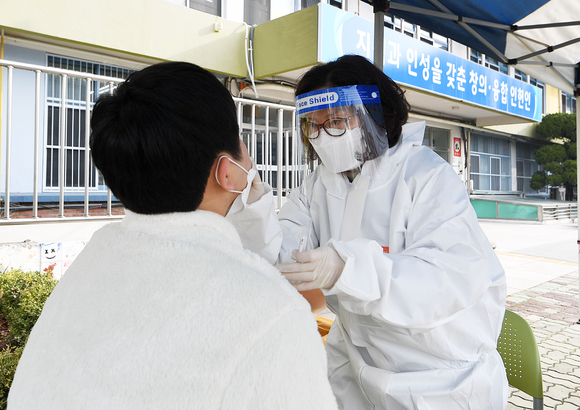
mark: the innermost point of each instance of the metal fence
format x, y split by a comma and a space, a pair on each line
566, 211
269, 131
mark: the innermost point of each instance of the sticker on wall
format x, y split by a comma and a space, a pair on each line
51, 258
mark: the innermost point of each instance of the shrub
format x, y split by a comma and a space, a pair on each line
8, 361
22, 297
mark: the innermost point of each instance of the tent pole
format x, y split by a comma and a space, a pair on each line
577, 94
379, 39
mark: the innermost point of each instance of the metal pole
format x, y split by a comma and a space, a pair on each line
577, 192
62, 154
36, 143
8, 141
109, 193
87, 148
279, 142
379, 39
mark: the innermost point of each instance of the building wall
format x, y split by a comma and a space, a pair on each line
146, 29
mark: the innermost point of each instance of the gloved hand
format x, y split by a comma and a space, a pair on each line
318, 268
257, 190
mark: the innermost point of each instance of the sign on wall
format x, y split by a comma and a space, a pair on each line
411, 62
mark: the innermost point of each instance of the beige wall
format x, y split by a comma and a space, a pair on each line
154, 29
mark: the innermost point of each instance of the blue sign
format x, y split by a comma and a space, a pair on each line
413, 63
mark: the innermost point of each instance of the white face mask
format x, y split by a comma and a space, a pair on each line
250, 175
340, 154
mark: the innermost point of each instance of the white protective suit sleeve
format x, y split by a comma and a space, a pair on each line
257, 224
446, 264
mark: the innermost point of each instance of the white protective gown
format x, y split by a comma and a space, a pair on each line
416, 327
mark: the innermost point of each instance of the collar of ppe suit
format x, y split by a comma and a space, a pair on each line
380, 171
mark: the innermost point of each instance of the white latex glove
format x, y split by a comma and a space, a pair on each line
318, 268
257, 190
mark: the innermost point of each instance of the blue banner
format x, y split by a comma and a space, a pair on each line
413, 63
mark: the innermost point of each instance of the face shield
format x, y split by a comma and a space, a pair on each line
344, 125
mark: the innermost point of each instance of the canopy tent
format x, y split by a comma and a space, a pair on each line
539, 37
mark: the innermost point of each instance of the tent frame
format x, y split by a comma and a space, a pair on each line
380, 6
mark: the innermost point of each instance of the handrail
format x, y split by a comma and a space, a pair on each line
283, 167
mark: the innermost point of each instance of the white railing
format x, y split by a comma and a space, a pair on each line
269, 131
567, 211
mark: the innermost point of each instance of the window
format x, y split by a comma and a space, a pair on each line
526, 166
433, 39
518, 75
76, 140
542, 87
256, 11
207, 6
568, 104
308, 3
475, 56
438, 140
400, 25
496, 65
490, 163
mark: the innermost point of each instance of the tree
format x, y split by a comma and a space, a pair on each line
558, 160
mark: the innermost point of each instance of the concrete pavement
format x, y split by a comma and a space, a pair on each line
541, 264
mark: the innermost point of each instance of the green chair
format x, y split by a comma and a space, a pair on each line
518, 349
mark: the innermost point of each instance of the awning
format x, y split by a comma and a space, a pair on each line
539, 37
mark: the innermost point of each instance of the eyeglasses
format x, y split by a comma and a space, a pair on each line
335, 127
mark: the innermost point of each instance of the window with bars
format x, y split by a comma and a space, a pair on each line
76, 141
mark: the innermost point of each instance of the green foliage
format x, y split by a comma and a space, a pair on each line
558, 126
571, 150
8, 361
538, 180
558, 160
550, 153
570, 172
23, 295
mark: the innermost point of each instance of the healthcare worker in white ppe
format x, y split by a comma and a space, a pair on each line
394, 248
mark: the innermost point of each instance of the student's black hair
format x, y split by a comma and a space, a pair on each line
356, 70
156, 137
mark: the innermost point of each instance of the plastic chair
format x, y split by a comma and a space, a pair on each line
518, 349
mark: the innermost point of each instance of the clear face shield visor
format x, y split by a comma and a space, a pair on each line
344, 125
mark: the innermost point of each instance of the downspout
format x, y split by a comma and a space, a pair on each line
249, 52
467, 149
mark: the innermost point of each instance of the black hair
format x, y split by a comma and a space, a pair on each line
356, 70
157, 136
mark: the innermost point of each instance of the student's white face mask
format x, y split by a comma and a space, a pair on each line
340, 154
250, 175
